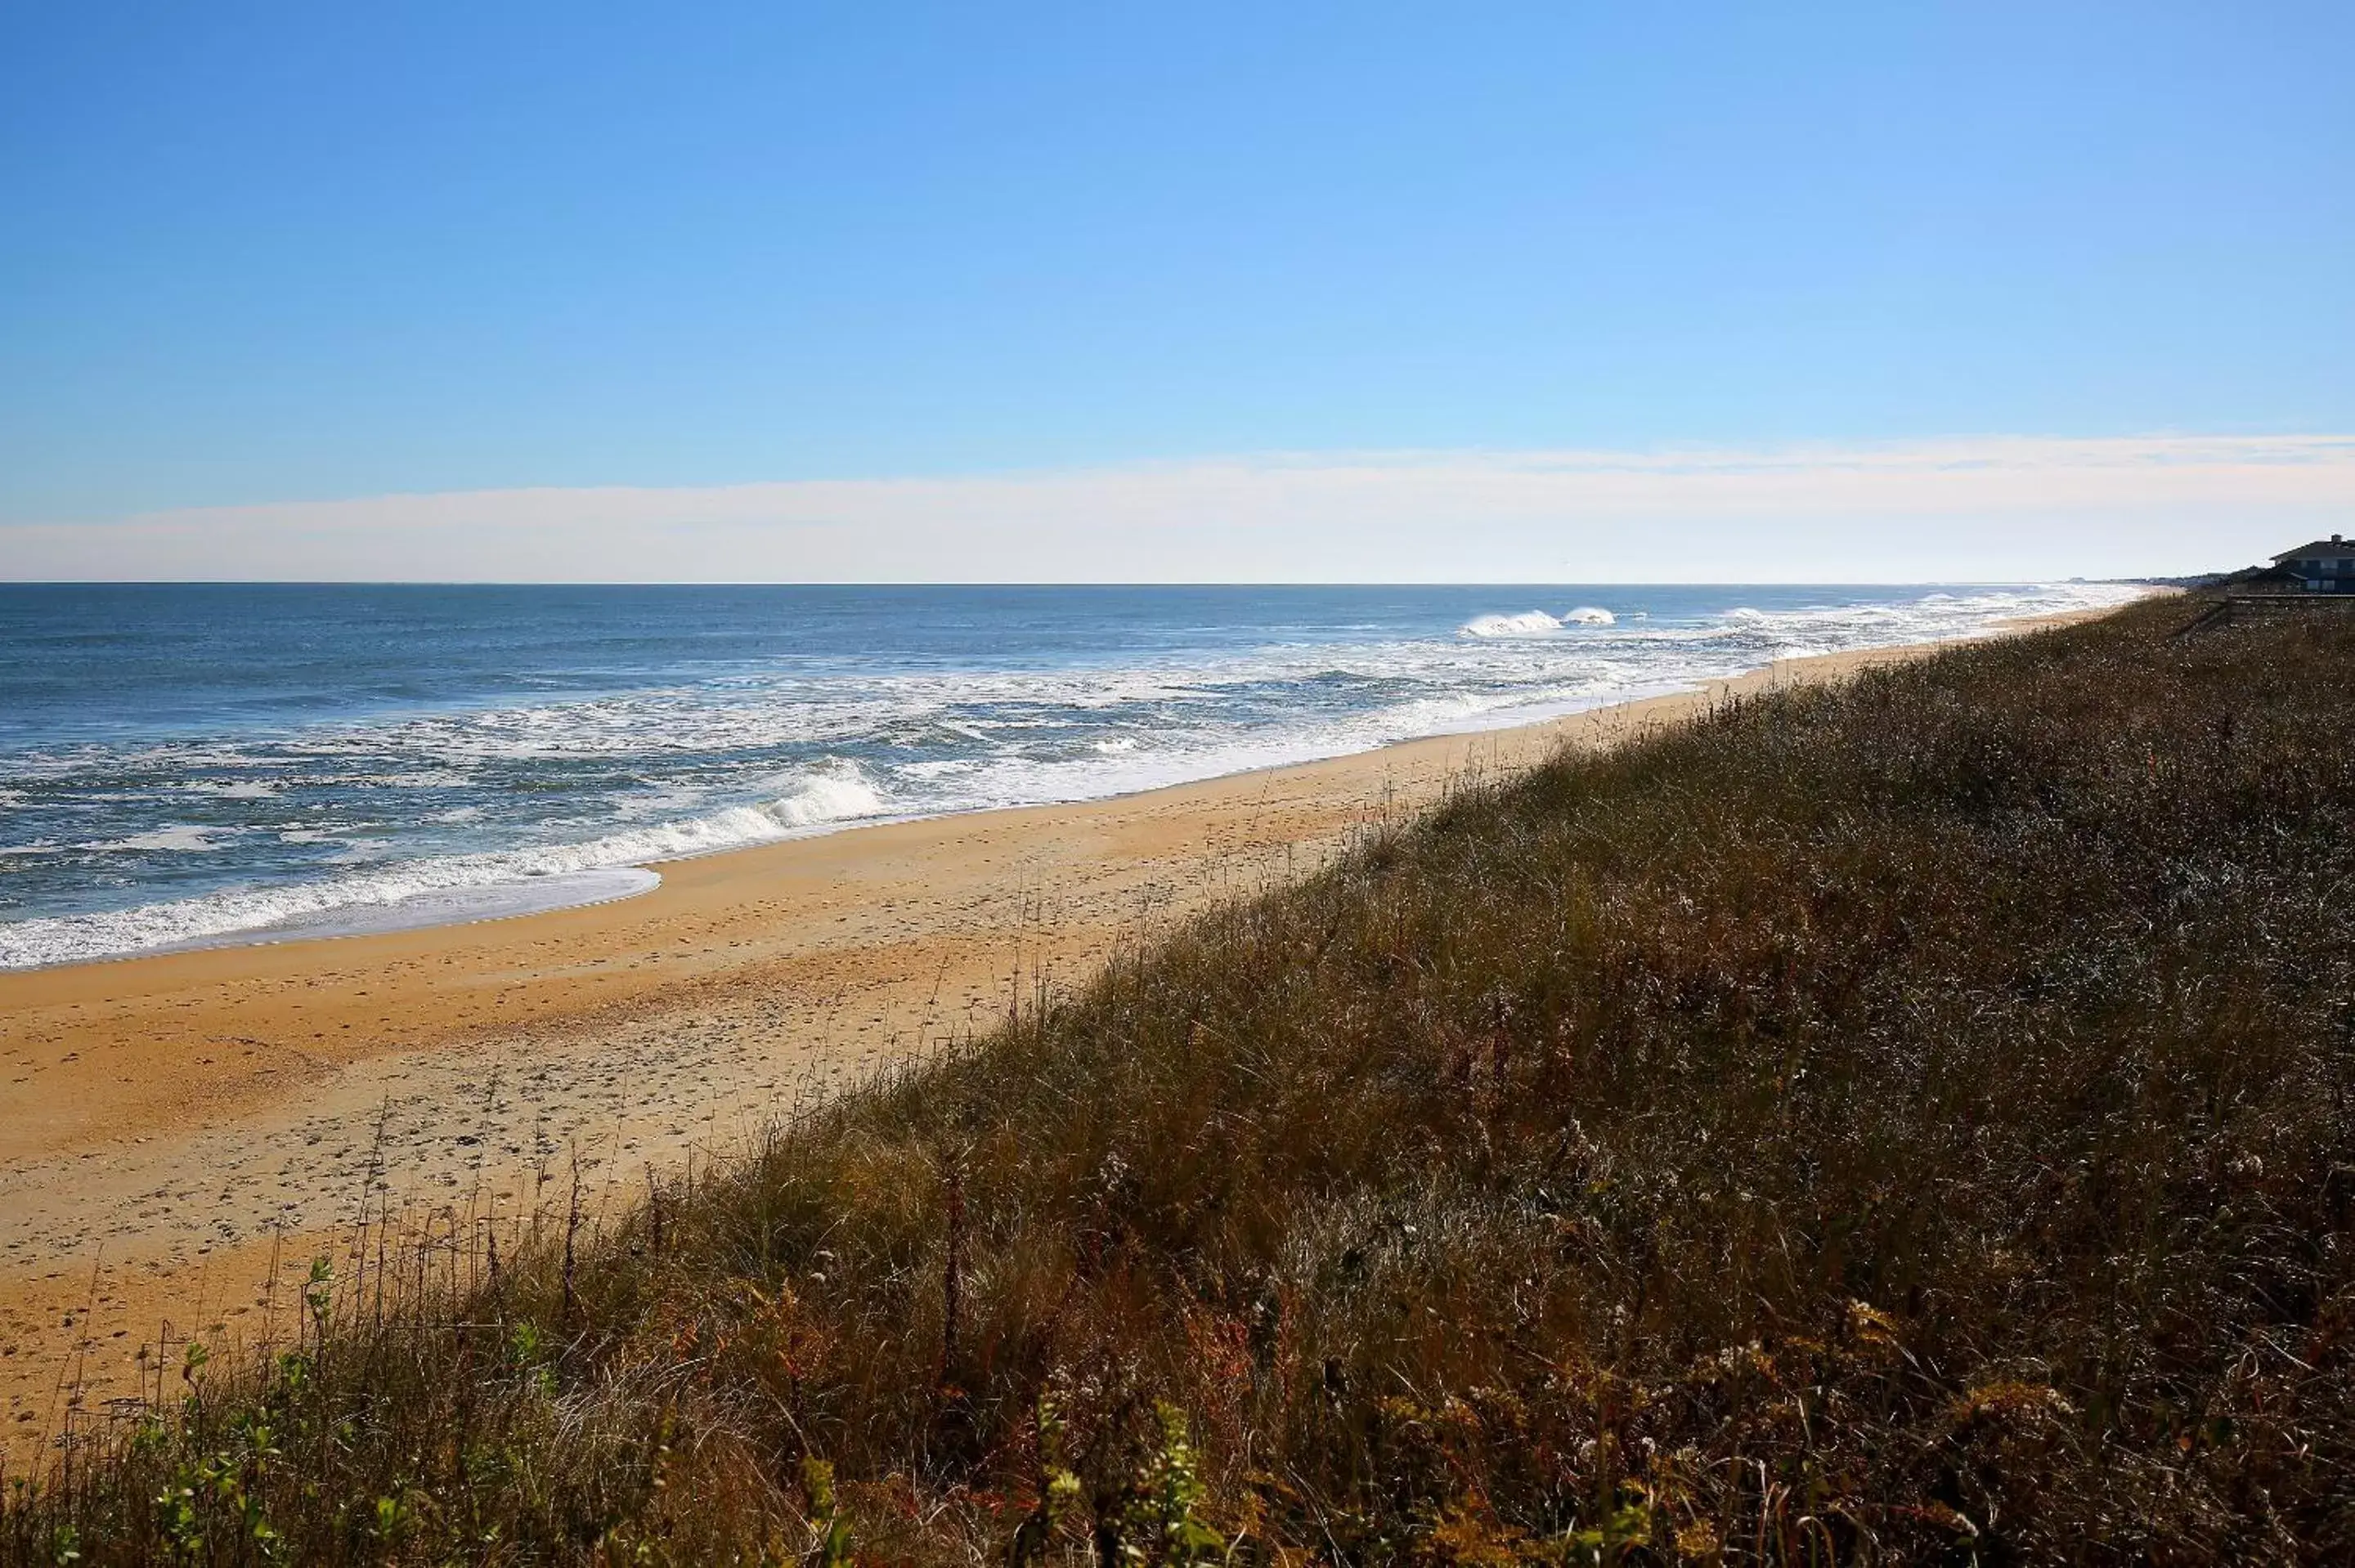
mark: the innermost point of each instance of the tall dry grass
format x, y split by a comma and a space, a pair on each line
1909, 1120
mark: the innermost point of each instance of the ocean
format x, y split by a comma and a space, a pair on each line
183, 765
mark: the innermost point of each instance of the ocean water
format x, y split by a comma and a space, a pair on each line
187, 764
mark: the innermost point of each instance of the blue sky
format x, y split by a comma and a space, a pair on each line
265, 254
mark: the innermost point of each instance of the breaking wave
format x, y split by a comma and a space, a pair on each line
1528, 623
1535, 622
836, 794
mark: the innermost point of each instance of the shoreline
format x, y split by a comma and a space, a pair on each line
340, 923
479, 903
178, 1121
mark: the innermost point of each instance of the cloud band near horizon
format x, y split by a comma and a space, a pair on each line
2001, 508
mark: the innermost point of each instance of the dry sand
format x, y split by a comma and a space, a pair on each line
172, 1123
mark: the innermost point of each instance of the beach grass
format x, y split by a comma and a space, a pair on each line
1907, 1119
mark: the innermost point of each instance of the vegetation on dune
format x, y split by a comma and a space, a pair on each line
1903, 1120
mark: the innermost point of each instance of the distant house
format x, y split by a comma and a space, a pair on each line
2326, 566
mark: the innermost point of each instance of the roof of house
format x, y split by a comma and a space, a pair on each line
2263, 582
2262, 578
2334, 546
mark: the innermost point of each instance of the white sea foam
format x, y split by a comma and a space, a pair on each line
176, 839
1527, 623
243, 790
557, 890
1535, 622
831, 793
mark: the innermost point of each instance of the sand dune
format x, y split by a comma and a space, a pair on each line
174, 1123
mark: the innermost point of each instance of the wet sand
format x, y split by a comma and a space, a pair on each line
172, 1123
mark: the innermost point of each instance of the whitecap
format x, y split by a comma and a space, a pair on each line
176, 839
1528, 623
242, 790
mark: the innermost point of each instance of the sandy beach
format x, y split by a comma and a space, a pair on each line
172, 1123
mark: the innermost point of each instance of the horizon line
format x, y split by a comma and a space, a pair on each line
2154, 579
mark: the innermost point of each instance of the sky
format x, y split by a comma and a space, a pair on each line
1554, 293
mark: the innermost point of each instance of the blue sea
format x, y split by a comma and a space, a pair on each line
197, 764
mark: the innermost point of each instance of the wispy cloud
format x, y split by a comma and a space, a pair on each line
1964, 508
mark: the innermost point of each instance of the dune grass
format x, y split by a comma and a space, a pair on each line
1907, 1120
